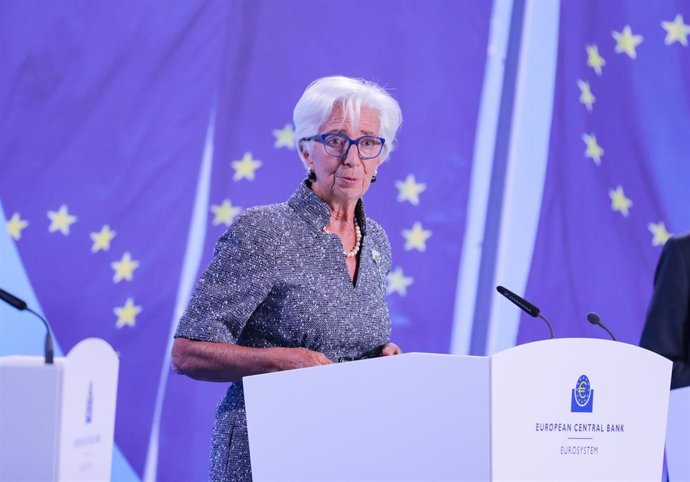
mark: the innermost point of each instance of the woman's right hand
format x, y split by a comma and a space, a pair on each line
291, 358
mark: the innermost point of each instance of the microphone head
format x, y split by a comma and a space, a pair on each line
593, 318
12, 300
521, 303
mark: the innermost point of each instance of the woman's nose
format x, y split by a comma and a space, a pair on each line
352, 155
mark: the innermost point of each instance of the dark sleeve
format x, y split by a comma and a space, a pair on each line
236, 281
667, 328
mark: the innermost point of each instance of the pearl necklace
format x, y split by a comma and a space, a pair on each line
358, 241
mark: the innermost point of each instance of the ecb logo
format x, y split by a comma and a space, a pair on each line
582, 399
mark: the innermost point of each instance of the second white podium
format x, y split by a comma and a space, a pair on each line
57, 421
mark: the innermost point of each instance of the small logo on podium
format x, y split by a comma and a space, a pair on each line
89, 404
582, 398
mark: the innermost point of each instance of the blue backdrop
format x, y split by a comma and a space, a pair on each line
132, 133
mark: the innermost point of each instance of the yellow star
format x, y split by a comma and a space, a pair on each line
416, 237
61, 220
595, 60
660, 233
245, 167
676, 31
409, 190
619, 202
627, 42
127, 314
594, 150
224, 213
16, 225
586, 96
285, 137
101, 239
397, 282
124, 269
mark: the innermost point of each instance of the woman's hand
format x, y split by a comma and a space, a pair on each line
290, 358
390, 349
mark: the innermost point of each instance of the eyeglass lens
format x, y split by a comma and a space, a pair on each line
339, 144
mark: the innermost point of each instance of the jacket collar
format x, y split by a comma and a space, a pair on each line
315, 211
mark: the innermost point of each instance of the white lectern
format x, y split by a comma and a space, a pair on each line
678, 435
57, 421
565, 409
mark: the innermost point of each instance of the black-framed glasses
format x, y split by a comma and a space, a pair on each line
338, 145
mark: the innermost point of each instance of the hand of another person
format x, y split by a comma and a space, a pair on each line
290, 358
390, 349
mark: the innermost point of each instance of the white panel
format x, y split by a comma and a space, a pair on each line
482, 164
527, 160
88, 411
537, 437
408, 417
678, 435
29, 418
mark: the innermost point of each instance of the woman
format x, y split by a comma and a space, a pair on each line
301, 283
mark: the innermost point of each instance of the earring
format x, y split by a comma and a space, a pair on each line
311, 175
373, 178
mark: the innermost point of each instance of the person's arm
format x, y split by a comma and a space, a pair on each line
237, 280
227, 362
667, 329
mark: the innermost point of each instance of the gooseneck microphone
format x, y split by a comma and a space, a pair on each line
594, 319
21, 306
525, 306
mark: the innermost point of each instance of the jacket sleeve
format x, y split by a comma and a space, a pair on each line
667, 327
236, 281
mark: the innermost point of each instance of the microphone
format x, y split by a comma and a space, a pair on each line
594, 319
525, 306
21, 306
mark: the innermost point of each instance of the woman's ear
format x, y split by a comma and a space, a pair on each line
304, 152
306, 155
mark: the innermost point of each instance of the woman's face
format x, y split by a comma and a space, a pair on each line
343, 180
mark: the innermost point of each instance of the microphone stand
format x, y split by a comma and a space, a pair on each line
20, 305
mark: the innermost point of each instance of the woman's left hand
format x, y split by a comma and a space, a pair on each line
390, 349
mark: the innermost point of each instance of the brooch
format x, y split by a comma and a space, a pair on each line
376, 256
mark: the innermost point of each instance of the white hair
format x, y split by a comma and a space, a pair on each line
322, 95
